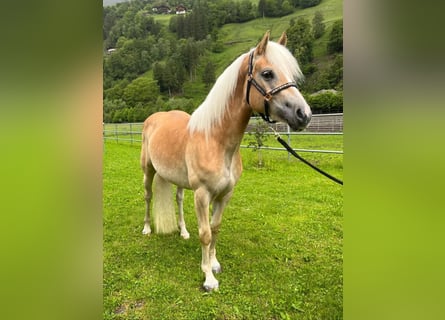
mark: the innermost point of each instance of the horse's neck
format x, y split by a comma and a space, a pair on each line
233, 125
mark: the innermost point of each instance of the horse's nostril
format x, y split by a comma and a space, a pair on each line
300, 114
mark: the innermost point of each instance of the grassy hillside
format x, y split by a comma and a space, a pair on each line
243, 36
240, 37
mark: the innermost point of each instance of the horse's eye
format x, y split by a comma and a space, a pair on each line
267, 75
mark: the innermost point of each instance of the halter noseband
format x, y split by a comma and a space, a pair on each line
266, 94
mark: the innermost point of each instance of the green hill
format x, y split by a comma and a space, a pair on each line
141, 41
240, 37
243, 36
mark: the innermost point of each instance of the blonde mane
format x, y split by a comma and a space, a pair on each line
212, 110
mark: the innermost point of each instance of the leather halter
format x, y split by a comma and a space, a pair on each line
266, 94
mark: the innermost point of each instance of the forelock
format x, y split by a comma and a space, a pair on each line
283, 59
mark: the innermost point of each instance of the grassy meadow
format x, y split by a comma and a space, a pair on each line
280, 244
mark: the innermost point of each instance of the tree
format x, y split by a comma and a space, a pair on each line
110, 107
335, 73
170, 75
196, 25
158, 75
141, 91
258, 139
208, 76
317, 81
335, 43
191, 51
246, 10
318, 26
183, 104
286, 8
174, 75
117, 91
262, 8
145, 25
274, 8
300, 40
326, 101
309, 3
131, 59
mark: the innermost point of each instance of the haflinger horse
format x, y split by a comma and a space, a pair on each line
201, 151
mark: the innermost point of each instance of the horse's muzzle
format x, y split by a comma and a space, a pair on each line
300, 119
303, 117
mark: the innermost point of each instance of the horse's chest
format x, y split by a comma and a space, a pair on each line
223, 184
230, 174
219, 174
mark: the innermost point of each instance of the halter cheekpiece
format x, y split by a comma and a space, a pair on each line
266, 94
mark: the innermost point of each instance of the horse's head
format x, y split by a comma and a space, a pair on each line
273, 71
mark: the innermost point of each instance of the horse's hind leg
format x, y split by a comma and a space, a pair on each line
180, 200
148, 181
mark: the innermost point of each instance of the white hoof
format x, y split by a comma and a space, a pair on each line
185, 235
211, 286
146, 230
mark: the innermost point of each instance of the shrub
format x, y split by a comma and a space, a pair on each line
183, 104
326, 101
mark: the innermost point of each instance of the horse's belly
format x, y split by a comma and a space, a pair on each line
167, 141
171, 169
177, 176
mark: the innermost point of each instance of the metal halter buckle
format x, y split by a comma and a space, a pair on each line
268, 96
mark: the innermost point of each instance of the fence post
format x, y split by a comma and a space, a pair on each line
131, 133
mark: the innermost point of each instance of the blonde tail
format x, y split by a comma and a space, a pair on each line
163, 206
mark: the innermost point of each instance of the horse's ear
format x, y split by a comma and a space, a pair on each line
261, 47
283, 39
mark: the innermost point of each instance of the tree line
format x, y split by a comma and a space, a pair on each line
146, 64
301, 36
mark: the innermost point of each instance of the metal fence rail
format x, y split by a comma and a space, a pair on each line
323, 124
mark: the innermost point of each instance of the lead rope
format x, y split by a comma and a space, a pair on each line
296, 155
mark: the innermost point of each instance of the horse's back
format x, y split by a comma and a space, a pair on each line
164, 117
165, 136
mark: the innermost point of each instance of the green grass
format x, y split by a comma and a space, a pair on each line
280, 244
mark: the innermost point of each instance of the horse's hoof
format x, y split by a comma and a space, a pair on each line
209, 288
185, 235
146, 231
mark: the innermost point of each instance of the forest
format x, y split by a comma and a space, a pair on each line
162, 61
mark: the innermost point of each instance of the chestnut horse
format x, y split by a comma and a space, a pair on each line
201, 152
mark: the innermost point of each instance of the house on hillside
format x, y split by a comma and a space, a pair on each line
181, 9
162, 9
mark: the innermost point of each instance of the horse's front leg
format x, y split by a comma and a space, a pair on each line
218, 208
202, 202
